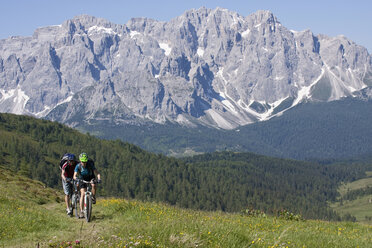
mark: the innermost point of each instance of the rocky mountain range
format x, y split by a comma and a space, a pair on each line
208, 66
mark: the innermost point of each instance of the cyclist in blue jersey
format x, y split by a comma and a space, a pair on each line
86, 171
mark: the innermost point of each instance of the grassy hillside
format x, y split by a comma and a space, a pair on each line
29, 219
23, 212
356, 198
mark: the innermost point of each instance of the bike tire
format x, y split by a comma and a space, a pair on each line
77, 206
88, 207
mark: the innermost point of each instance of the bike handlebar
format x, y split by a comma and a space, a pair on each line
93, 181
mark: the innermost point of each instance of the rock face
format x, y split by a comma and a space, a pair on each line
212, 67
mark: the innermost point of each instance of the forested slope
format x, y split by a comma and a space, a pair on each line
221, 181
338, 129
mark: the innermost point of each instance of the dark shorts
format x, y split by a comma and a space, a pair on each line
67, 187
84, 185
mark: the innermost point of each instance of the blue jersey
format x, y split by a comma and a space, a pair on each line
86, 173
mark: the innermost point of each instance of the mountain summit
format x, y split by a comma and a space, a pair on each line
208, 66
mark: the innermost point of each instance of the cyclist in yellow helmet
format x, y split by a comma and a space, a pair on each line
86, 171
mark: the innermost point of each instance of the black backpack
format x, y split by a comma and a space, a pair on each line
65, 158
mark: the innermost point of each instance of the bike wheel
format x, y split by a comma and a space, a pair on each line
77, 206
72, 199
88, 207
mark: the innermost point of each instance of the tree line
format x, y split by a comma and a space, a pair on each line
338, 129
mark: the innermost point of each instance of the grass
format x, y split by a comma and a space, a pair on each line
128, 223
358, 184
167, 226
361, 207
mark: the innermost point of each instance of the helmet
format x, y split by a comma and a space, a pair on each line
69, 156
83, 157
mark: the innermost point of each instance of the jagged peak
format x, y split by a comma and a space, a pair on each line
85, 21
263, 16
141, 21
142, 24
205, 12
342, 39
201, 10
223, 10
303, 33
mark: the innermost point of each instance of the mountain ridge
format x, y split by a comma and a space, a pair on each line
209, 67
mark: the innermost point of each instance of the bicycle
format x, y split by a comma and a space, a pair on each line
87, 200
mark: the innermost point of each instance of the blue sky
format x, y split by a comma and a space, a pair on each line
330, 17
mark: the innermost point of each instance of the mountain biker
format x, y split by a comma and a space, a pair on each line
86, 171
67, 174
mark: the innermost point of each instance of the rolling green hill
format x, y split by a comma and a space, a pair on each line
224, 181
25, 222
356, 198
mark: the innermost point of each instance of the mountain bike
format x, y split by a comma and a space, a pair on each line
87, 200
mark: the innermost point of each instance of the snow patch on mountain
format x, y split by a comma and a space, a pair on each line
305, 92
200, 52
18, 97
134, 33
246, 33
166, 47
47, 109
96, 29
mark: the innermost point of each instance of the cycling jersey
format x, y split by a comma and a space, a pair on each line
86, 173
68, 170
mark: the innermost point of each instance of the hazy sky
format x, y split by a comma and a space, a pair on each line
352, 18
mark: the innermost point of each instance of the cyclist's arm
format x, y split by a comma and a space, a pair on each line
75, 175
97, 174
63, 171
76, 172
62, 175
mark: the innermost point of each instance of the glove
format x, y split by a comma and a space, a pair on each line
99, 181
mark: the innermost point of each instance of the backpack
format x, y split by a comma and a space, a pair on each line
65, 158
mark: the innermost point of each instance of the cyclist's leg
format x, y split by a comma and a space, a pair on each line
67, 188
93, 186
93, 193
70, 192
82, 191
93, 189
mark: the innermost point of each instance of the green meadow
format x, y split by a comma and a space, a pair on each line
32, 215
360, 205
